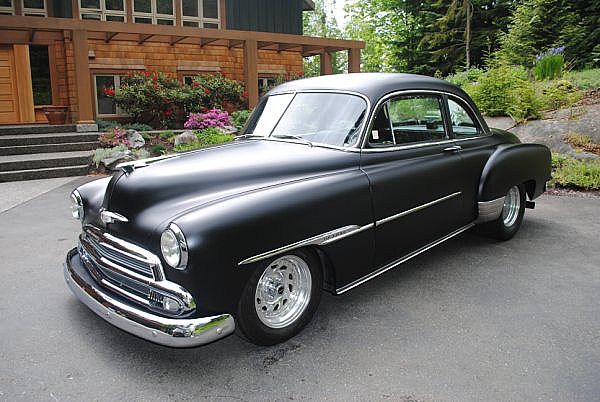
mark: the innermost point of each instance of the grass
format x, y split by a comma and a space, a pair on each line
579, 174
583, 142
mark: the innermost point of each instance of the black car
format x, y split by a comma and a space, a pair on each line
335, 180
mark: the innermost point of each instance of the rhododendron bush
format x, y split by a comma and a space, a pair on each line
212, 118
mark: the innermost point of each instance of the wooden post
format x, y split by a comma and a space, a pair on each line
179, 14
251, 71
129, 10
354, 60
223, 14
82, 78
23, 83
326, 64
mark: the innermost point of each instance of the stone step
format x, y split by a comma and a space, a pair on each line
46, 173
48, 148
39, 139
44, 160
24, 129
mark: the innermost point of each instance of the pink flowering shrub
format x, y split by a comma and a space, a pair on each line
211, 118
113, 137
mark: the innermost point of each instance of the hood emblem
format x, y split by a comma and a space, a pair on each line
111, 217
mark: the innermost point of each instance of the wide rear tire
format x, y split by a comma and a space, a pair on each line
509, 221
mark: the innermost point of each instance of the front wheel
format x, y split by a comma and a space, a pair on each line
509, 221
281, 298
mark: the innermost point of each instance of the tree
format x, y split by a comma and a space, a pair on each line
322, 23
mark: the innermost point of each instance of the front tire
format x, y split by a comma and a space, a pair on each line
509, 221
280, 298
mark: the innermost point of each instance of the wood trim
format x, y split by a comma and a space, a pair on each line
163, 33
49, 8
251, 71
223, 14
23, 83
75, 10
85, 101
178, 12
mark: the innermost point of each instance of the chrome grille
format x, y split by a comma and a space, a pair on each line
120, 258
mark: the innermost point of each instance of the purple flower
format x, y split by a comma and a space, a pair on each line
212, 118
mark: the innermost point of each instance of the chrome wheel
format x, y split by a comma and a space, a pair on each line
512, 204
283, 291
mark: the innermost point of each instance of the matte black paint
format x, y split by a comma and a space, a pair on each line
245, 198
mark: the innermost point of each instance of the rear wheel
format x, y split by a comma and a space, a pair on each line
281, 298
509, 221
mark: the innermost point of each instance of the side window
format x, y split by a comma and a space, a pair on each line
463, 123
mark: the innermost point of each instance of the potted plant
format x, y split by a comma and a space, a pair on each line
56, 114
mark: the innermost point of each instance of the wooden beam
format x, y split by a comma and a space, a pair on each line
285, 46
143, 38
23, 84
178, 13
82, 78
129, 10
206, 41
354, 60
31, 35
233, 43
223, 14
75, 9
251, 72
177, 39
326, 64
262, 45
109, 35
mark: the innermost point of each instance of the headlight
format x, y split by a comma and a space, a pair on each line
76, 205
174, 247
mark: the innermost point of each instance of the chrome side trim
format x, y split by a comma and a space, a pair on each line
321, 239
399, 261
415, 209
176, 333
490, 210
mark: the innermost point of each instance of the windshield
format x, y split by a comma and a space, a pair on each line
318, 117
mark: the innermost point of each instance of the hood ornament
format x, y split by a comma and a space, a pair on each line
111, 217
129, 167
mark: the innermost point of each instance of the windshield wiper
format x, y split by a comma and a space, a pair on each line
294, 137
239, 137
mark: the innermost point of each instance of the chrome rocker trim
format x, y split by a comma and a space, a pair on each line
490, 210
176, 333
399, 261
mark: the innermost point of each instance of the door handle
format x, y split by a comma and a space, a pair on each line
453, 149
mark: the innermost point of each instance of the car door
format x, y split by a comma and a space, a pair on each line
411, 163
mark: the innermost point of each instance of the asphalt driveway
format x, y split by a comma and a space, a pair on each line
472, 319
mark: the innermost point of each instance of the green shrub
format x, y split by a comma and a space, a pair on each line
207, 137
574, 173
104, 125
137, 127
240, 118
505, 91
212, 91
158, 149
557, 94
586, 79
167, 135
465, 77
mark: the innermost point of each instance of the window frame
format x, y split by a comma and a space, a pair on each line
117, 83
200, 20
33, 12
103, 12
470, 112
8, 10
154, 15
385, 101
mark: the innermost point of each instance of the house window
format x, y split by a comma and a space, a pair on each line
35, 8
200, 13
160, 12
7, 7
265, 84
105, 105
40, 75
103, 10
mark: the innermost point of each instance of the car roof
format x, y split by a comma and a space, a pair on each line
372, 85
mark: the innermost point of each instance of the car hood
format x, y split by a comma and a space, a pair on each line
153, 195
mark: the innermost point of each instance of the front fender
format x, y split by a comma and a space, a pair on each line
515, 164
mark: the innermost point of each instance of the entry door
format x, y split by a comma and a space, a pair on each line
412, 166
9, 105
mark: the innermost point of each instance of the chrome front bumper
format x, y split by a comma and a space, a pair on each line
173, 332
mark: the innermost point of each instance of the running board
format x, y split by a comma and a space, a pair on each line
407, 257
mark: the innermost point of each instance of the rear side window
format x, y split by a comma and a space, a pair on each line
408, 120
462, 122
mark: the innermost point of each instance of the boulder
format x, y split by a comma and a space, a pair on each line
135, 139
187, 137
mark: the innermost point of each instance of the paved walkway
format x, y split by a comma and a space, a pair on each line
17, 192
